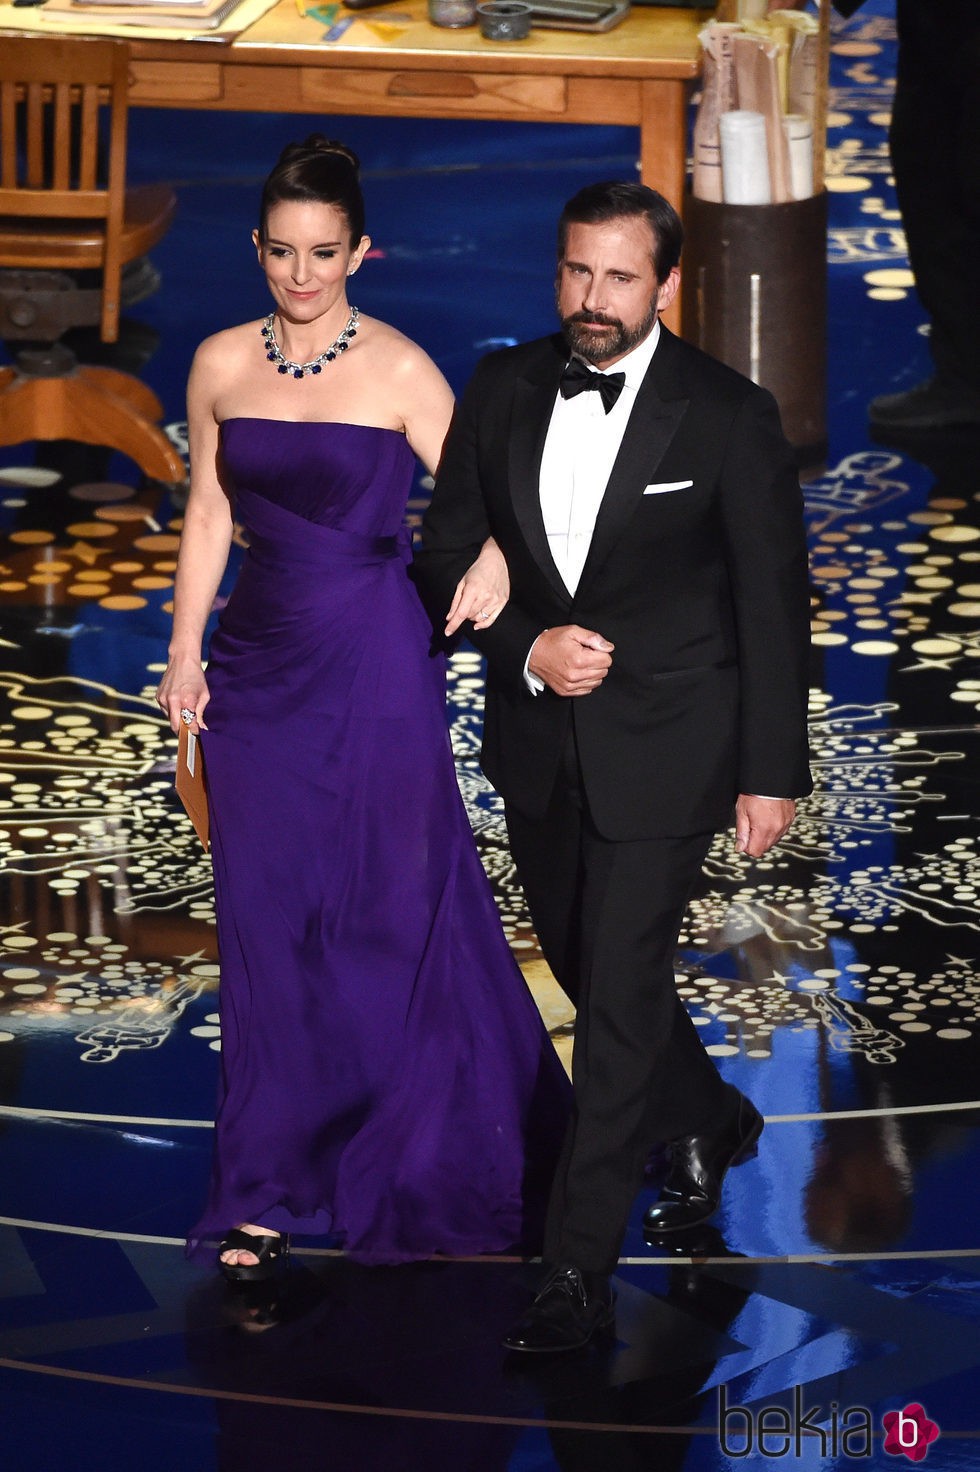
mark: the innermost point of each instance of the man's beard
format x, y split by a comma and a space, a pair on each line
599, 347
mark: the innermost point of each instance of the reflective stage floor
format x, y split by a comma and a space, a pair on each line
838, 982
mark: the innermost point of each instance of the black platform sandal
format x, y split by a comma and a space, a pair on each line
272, 1253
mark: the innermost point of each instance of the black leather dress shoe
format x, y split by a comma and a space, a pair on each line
698, 1163
571, 1307
931, 405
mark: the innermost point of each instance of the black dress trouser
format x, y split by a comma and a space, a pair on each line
607, 915
936, 160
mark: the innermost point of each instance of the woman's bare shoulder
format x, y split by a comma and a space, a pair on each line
223, 360
231, 343
398, 352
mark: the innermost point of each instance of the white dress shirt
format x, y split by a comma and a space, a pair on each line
579, 452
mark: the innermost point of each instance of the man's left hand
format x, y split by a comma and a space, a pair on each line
761, 822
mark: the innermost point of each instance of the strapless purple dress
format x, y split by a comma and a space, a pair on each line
385, 1075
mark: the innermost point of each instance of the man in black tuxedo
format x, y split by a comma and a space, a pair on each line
647, 677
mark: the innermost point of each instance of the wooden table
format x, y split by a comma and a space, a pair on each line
637, 74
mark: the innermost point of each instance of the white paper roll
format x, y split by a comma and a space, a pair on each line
744, 158
799, 136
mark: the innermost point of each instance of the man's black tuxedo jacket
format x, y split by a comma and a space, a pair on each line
696, 572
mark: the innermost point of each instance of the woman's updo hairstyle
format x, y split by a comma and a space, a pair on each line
316, 171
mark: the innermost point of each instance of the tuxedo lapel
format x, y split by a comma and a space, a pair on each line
534, 398
655, 419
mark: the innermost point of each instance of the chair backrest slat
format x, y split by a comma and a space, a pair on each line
61, 141
35, 135
8, 135
57, 162
88, 152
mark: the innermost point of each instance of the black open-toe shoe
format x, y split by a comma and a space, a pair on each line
272, 1253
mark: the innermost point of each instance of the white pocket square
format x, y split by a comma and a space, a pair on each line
667, 485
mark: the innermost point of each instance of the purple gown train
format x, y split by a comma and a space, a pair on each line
385, 1075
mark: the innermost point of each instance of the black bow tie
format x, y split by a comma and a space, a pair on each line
576, 377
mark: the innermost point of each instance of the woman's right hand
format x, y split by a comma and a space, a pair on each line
183, 687
482, 591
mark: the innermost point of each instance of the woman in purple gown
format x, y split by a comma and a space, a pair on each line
385, 1076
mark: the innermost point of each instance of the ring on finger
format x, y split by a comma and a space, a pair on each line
188, 716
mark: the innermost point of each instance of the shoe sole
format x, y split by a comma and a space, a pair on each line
254, 1273
749, 1147
921, 429
607, 1322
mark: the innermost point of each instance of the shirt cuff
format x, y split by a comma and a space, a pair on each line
533, 682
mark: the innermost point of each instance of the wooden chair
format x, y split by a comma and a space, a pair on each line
57, 217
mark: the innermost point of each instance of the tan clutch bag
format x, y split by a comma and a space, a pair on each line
190, 784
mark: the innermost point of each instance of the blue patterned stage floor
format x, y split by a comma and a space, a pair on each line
838, 983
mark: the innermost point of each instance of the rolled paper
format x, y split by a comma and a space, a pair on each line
716, 42
799, 136
752, 9
757, 80
717, 96
744, 158
802, 33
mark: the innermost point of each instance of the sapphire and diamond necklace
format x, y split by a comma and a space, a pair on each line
315, 365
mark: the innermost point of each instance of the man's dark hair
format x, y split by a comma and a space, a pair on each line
615, 199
